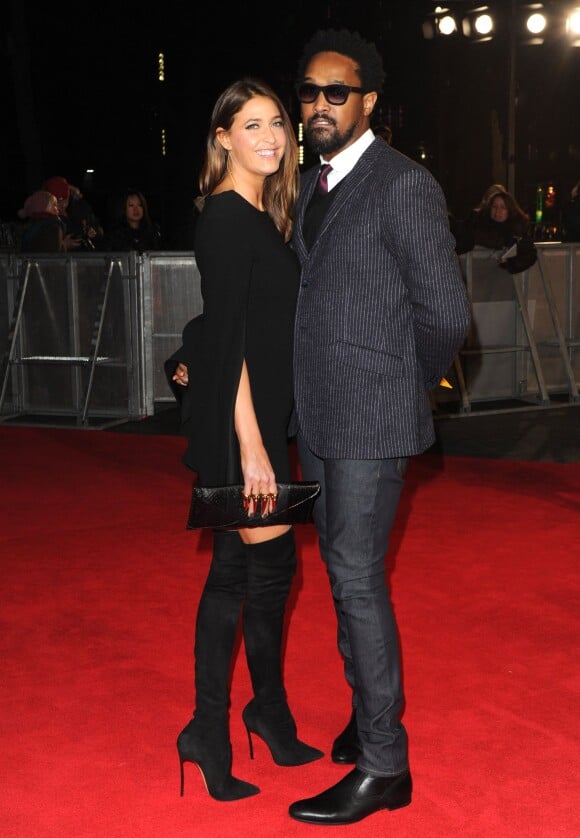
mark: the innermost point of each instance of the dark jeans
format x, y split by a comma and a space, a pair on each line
354, 515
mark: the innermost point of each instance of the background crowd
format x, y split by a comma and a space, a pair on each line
59, 218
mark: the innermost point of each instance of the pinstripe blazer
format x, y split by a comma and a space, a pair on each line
382, 310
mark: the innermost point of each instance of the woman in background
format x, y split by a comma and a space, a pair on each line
81, 226
132, 227
42, 231
501, 225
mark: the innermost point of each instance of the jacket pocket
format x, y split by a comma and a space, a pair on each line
361, 357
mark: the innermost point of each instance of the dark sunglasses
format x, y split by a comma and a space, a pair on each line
335, 94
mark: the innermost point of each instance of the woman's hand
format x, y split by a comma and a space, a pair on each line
180, 376
71, 242
260, 491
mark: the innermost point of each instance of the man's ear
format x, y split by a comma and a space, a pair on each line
369, 101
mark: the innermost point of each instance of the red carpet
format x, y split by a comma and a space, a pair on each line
100, 581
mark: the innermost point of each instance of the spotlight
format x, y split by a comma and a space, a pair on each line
440, 23
446, 25
483, 24
479, 25
536, 23
573, 27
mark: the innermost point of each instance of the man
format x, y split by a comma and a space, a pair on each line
382, 312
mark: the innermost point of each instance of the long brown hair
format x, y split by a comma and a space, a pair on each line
515, 212
281, 187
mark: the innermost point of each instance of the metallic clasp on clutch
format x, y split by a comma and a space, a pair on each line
262, 505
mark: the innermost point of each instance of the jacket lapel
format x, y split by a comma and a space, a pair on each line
353, 181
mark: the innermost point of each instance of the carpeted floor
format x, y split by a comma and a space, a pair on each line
100, 581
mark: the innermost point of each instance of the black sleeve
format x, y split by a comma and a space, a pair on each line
463, 233
526, 256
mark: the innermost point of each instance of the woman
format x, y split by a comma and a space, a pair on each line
80, 225
236, 367
499, 224
42, 231
132, 227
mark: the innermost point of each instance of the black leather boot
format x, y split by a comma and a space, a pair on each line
346, 747
205, 740
353, 798
271, 569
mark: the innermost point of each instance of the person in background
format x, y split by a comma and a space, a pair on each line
461, 227
233, 375
82, 228
132, 227
382, 311
492, 190
571, 216
42, 231
82, 220
498, 224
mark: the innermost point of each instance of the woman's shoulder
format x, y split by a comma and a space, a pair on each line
228, 215
227, 202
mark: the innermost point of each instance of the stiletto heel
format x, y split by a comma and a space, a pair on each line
250, 743
276, 726
212, 753
181, 776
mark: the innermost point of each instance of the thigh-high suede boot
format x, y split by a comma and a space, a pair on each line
271, 569
206, 740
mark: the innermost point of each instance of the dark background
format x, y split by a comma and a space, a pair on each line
79, 89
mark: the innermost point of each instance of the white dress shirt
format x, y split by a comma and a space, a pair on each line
346, 160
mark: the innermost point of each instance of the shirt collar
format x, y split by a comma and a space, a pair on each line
345, 161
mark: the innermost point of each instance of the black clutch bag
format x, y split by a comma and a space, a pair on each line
221, 507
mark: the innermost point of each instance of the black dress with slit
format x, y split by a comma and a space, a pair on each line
249, 285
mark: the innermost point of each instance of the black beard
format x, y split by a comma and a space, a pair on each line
323, 142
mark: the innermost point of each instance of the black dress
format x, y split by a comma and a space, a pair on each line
249, 285
123, 238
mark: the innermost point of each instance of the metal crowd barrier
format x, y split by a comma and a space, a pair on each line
84, 336
522, 350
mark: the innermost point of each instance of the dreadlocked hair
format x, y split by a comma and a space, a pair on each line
363, 53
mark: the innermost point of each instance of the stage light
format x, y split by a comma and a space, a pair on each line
514, 22
478, 25
574, 22
573, 27
483, 24
446, 25
440, 23
536, 23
